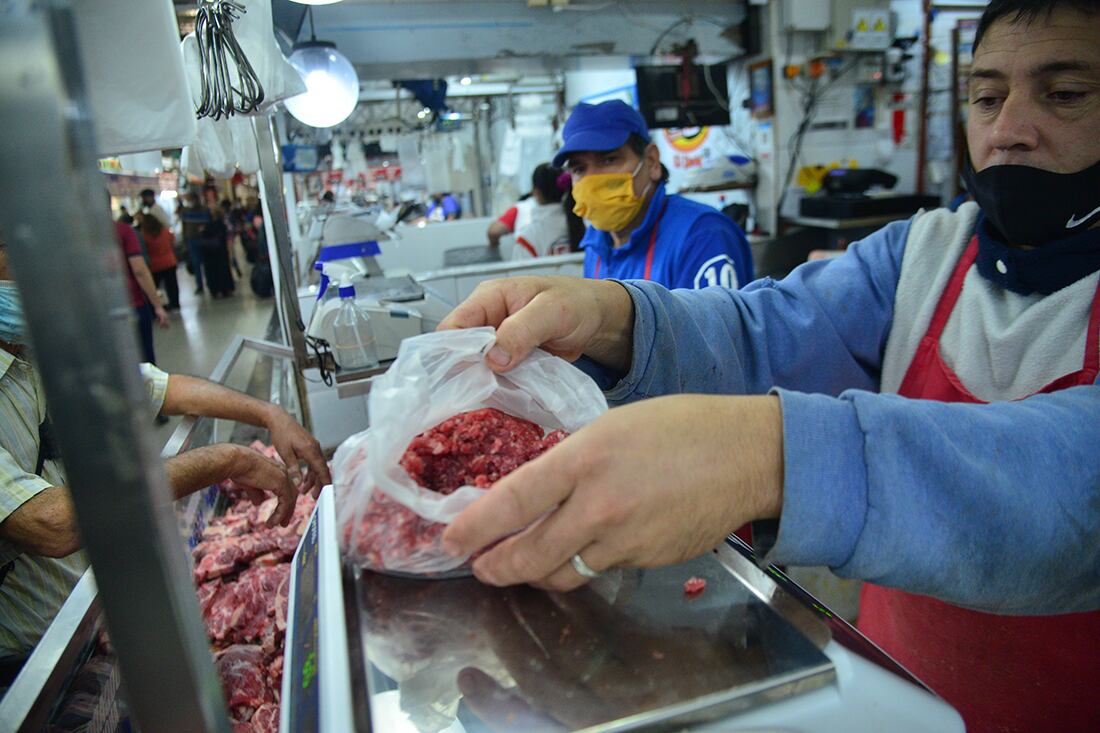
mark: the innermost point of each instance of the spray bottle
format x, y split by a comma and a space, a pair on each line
353, 344
328, 300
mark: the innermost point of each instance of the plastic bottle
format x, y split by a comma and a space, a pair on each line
353, 338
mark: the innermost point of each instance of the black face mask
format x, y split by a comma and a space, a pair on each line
1032, 206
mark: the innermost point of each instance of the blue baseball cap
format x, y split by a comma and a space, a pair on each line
603, 126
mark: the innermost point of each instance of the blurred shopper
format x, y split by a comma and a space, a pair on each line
234, 222
149, 205
160, 245
194, 217
143, 291
251, 214
538, 220
444, 207
215, 255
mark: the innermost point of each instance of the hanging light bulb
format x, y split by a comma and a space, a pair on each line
332, 86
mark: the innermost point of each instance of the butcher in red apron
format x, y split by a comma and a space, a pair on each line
1002, 673
966, 505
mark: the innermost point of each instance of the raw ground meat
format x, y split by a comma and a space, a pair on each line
389, 533
473, 448
693, 586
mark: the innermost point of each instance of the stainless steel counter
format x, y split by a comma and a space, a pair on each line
632, 651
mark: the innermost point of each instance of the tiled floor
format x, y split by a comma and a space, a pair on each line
202, 329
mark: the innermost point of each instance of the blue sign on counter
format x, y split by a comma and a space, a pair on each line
303, 658
300, 158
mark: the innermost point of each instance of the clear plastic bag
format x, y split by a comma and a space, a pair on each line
435, 377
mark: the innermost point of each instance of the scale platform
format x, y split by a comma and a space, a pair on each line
629, 652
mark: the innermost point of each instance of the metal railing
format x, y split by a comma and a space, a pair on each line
180, 440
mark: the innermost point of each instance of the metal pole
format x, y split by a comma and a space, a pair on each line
922, 116
278, 239
483, 194
54, 213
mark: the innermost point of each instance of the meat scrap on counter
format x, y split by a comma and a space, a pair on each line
694, 586
242, 575
474, 448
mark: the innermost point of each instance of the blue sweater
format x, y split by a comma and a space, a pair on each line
697, 246
995, 507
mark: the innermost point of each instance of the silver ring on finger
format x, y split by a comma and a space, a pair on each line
582, 568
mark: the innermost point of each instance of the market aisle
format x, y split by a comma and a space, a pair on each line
203, 328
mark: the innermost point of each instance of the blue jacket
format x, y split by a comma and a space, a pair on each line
996, 506
697, 246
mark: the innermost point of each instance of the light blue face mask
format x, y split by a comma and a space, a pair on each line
13, 328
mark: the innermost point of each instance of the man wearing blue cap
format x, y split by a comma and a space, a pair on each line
637, 231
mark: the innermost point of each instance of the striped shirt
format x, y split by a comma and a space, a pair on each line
35, 587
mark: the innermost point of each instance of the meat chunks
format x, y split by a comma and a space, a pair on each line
473, 448
241, 668
694, 586
242, 573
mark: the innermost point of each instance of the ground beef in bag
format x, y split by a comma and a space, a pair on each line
473, 448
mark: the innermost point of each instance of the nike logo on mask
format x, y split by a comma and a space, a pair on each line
1075, 222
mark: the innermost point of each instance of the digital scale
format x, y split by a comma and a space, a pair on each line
631, 651
316, 695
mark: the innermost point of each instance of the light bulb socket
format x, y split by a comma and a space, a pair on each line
313, 44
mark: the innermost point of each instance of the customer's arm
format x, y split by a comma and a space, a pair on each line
45, 522
186, 395
497, 230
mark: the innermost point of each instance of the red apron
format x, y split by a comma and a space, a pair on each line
1002, 673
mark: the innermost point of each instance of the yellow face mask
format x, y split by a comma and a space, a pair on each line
607, 200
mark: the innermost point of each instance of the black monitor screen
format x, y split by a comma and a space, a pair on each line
669, 97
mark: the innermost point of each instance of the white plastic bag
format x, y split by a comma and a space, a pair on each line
134, 75
246, 152
437, 376
255, 33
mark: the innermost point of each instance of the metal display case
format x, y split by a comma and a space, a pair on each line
37, 699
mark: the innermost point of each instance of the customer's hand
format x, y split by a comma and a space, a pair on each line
295, 445
259, 476
566, 316
650, 484
161, 316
